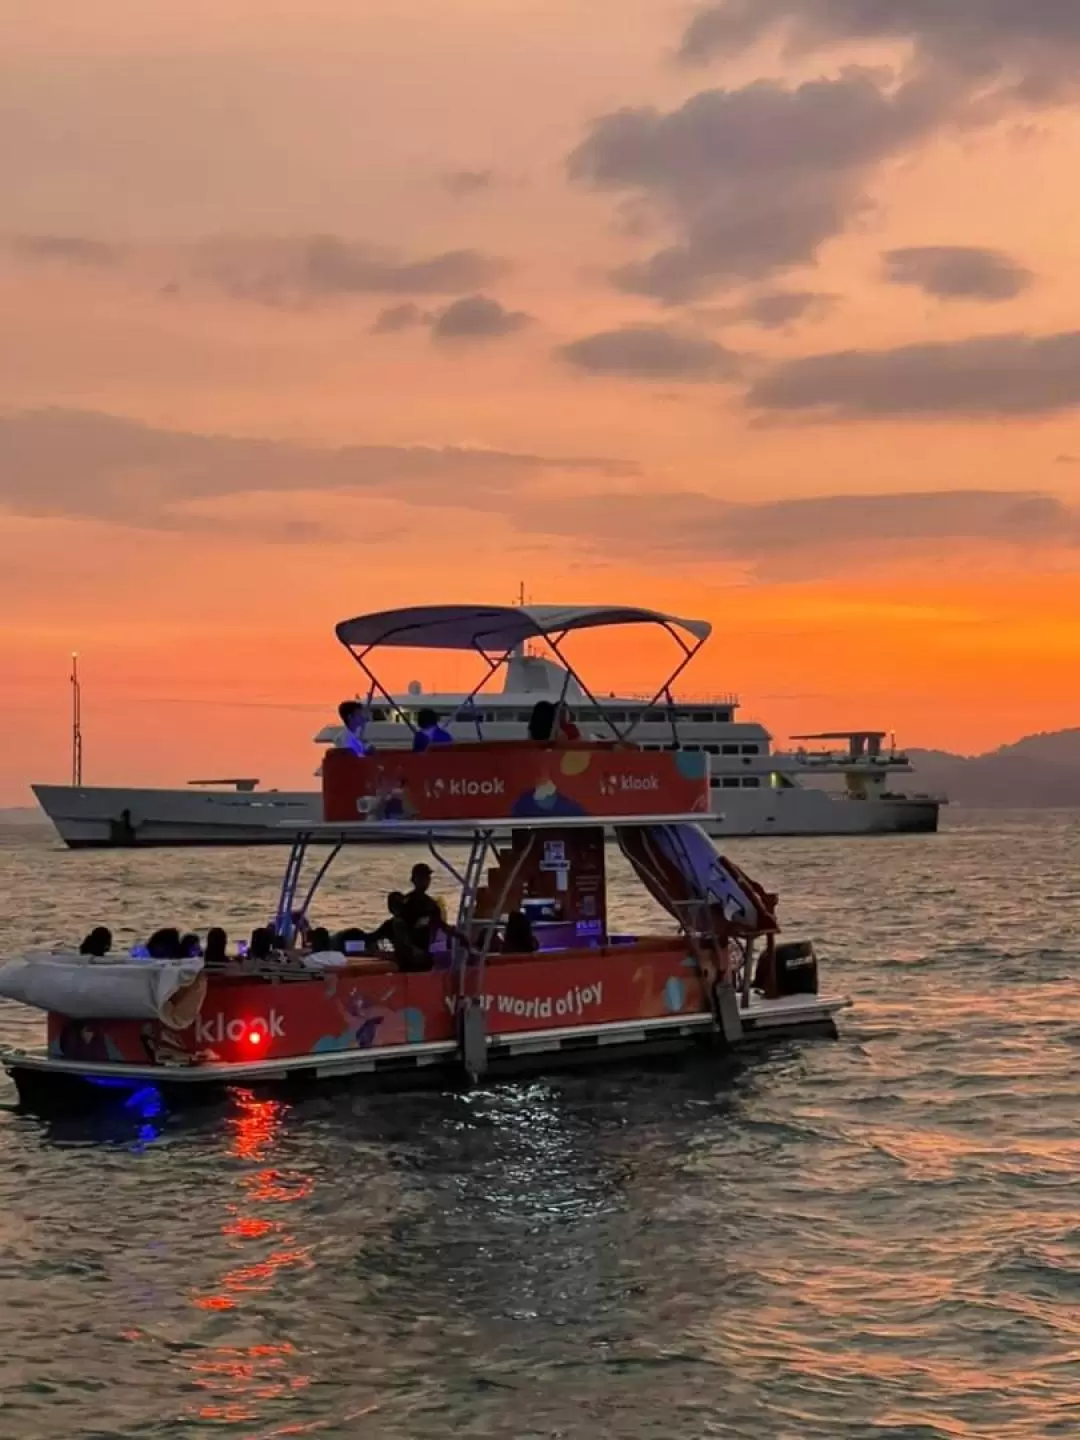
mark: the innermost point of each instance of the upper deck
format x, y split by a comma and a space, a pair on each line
512, 780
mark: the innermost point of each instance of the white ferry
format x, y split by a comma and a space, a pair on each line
840, 783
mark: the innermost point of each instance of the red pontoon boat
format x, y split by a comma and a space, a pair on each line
534, 816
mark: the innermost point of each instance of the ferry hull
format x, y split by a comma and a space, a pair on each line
103, 817
92, 817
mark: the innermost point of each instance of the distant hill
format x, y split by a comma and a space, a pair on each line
1040, 771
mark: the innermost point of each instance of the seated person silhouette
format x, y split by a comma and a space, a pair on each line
350, 941
542, 721
354, 717
518, 937
215, 953
98, 943
261, 944
395, 934
164, 944
429, 732
565, 729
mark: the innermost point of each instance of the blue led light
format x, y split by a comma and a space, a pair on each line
147, 1101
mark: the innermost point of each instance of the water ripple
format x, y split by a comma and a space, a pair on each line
876, 1237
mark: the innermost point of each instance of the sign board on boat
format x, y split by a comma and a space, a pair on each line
518, 781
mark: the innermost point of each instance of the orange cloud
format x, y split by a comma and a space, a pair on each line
291, 446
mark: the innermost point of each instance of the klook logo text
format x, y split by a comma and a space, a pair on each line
214, 1029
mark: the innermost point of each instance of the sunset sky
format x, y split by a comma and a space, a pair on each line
766, 311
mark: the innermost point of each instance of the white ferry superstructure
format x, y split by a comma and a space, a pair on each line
842, 786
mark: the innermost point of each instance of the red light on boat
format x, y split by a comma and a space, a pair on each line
256, 1037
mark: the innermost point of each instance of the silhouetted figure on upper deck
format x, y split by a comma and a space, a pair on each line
542, 721
429, 732
354, 717
552, 724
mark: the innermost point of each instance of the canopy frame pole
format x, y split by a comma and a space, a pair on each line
441, 859
474, 869
376, 684
493, 665
319, 876
510, 882
553, 641
689, 651
293, 867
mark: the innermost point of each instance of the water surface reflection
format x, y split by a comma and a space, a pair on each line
876, 1236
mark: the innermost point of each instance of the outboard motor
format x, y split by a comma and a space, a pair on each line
796, 969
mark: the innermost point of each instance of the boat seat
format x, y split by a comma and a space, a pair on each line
581, 952
666, 944
296, 972
663, 944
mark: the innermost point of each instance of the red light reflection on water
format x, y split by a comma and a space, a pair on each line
255, 1126
248, 1227
213, 1302
258, 1275
239, 1381
242, 1377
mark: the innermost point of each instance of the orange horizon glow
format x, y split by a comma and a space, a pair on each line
220, 463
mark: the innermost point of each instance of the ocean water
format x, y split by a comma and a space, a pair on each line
873, 1236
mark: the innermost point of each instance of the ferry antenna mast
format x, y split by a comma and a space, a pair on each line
76, 722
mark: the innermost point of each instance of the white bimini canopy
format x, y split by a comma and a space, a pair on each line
496, 627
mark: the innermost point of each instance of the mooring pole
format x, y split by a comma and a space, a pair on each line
76, 722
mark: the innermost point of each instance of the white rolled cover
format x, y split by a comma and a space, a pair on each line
82, 988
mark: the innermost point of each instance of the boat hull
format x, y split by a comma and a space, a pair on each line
92, 817
47, 1084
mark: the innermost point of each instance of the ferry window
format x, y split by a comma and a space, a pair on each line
730, 783
703, 717
617, 717
724, 716
378, 714
654, 717
749, 749
751, 782
692, 748
729, 749
711, 749
524, 716
467, 717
